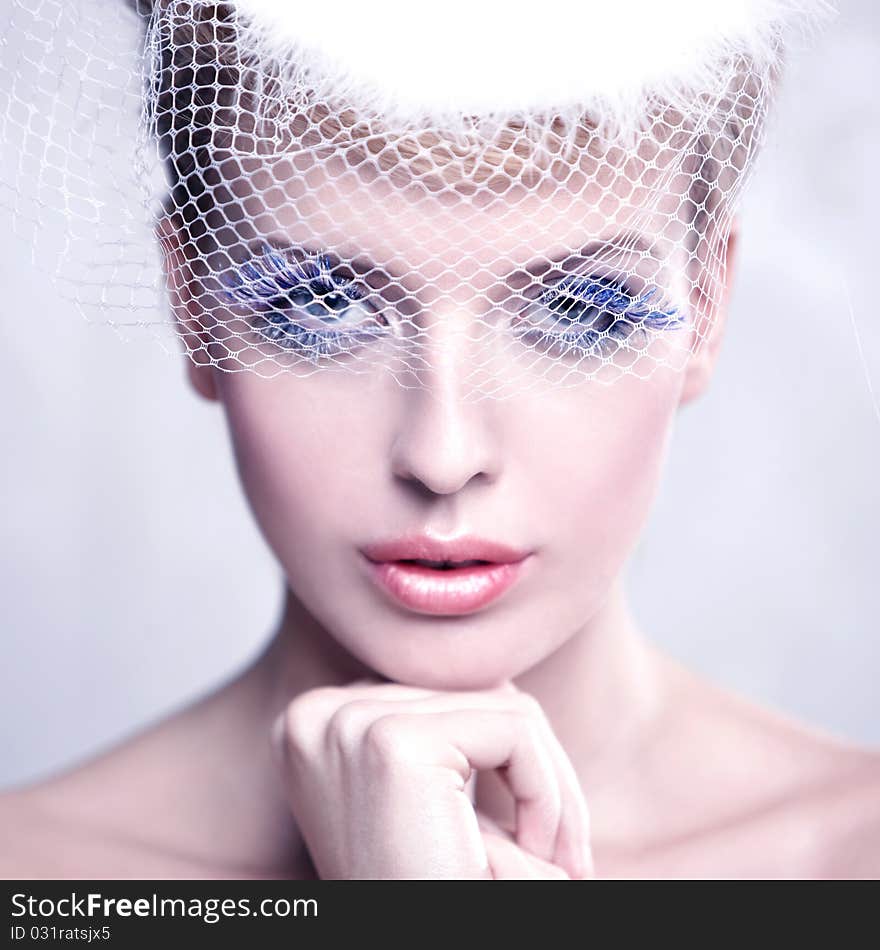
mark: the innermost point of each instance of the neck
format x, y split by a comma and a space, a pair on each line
600, 689
601, 692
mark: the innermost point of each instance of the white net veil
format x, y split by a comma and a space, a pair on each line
276, 188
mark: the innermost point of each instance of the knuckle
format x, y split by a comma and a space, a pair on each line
303, 718
297, 726
313, 702
346, 724
530, 726
386, 739
530, 706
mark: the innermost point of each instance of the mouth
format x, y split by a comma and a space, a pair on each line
413, 573
442, 565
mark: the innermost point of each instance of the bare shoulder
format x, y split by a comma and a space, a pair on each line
18, 831
90, 819
73, 817
37, 841
846, 815
822, 803
43, 840
782, 797
158, 803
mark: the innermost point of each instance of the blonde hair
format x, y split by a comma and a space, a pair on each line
249, 111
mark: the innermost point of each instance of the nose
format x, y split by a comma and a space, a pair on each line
444, 440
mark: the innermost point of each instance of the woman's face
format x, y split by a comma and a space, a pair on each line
334, 461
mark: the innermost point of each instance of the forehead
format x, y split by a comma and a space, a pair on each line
633, 201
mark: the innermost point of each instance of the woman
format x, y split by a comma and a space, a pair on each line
440, 341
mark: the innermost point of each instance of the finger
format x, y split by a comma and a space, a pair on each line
311, 710
508, 862
485, 823
493, 739
572, 844
572, 850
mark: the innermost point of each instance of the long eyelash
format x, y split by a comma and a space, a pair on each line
270, 277
266, 284
621, 315
278, 328
609, 295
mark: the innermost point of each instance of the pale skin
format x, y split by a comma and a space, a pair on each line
543, 736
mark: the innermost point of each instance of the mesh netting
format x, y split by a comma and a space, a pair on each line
307, 222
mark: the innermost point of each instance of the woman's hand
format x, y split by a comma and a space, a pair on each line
375, 775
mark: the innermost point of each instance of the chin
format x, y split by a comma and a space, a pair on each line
451, 681
448, 659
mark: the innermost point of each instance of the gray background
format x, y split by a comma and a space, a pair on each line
133, 576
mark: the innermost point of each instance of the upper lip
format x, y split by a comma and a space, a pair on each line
427, 548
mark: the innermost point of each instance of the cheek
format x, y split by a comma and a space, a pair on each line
297, 450
605, 457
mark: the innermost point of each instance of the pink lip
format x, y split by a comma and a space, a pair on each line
458, 590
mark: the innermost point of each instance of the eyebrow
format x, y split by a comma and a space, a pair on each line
626, 242
360, 264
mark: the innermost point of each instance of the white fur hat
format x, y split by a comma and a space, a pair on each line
415, 61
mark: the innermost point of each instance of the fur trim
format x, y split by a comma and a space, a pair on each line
428, 64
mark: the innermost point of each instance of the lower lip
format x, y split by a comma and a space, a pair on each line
461, 590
